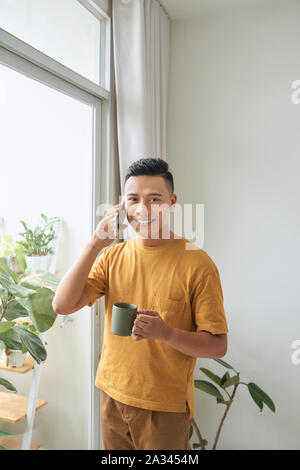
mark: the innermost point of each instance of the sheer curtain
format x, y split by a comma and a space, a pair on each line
141, 32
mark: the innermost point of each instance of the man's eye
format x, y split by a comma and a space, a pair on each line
154, 198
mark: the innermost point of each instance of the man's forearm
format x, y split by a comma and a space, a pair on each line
72, 284
196, 343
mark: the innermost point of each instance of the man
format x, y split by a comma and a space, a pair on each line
146, 380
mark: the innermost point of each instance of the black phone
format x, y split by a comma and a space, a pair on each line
119, 219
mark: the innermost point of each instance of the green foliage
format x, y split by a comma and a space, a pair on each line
257, 394
37, 241
21, 297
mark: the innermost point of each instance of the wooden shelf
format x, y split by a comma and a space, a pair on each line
13, 407
12, 443
26, 367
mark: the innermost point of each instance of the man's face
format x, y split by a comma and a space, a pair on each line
147, 205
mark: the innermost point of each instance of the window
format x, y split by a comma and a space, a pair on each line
64, 30
55, 136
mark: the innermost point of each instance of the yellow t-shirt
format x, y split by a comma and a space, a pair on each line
184, 287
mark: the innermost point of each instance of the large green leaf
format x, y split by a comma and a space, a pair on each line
20, 291
15, 310
7, 385
208, 388
11, 339
39, 307
211, 375
260, 397
42, 279
33, 343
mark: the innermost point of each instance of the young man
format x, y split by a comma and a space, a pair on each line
146, 380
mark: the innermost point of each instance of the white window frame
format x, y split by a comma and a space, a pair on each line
20, 56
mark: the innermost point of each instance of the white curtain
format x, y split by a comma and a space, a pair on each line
141, 32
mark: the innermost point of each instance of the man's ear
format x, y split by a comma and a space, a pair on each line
173, 201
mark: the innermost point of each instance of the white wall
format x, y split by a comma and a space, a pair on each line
233, 144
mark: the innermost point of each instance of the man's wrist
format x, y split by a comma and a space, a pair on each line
169, 332
96, 243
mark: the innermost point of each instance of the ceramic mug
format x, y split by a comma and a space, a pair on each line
122, 319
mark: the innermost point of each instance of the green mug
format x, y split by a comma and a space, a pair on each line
122, 319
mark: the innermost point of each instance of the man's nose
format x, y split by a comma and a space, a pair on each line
141, 210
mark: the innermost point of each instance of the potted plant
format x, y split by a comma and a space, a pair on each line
225, 382
37, 243
12, 254
24, 296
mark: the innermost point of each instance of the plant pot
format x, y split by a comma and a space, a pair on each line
16, 358
37, 262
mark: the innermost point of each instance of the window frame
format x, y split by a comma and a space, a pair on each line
25, 59
28, 52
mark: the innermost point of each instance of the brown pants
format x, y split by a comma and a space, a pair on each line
126, 427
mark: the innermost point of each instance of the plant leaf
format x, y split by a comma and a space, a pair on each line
211, 375
260, 396
33, 343
231, 381
256, 399
41, 310
225, 364
224, 402
208, 388
39, 307
15, 310
11, 339
7, 385
225, 377
191, 432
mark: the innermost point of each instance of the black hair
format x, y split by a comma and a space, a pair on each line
152, 167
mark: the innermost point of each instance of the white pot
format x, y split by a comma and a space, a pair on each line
16, 358
37, 262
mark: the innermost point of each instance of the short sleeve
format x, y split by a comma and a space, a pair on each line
207, 304
96, 282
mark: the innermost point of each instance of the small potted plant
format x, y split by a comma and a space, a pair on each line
37, 243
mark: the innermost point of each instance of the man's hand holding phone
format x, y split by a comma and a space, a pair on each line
109, 228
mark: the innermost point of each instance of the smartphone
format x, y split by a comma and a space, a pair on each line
119, 219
